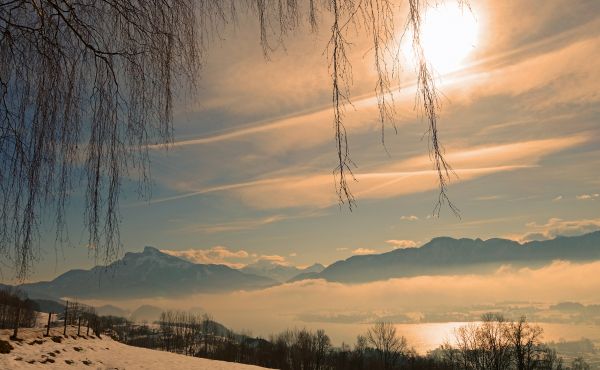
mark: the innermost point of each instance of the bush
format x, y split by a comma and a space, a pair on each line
5, 347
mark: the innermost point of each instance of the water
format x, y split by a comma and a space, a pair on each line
427, 336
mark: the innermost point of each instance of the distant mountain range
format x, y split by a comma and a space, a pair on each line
445, 255
152, 273
279, 272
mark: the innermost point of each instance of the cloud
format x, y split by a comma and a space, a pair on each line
409, 176
556, 227
233, 226
409, 218
553, 77
401, 244
216, 255
558, 198
488, 197
400, 178
274, 258
341, 249
363, 251
587, 196
224, 256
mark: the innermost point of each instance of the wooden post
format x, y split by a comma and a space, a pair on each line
79, 326
88, 325
49, 321
66, 316
18, 318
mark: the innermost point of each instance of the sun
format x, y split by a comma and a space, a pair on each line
449, 33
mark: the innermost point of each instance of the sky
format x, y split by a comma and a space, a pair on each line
249, 175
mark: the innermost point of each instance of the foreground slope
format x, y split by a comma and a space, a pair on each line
37, 352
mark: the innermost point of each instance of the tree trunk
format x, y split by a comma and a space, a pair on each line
79, 326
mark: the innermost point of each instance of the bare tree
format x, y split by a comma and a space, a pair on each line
86, 86
580, 364
526, 343
389, 346
496, 343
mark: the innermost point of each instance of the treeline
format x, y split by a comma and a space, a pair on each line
493, 344
16, 310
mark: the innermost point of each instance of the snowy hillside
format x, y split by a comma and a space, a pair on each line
36, 352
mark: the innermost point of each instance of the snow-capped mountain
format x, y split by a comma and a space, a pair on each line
150, 273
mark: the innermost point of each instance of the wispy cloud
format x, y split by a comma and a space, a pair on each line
363, 251
409, 218
224, 256
391, 180
488, 197
402, 243
273, 258
217, 255
233, 226
556, 226
587, 196
404, 177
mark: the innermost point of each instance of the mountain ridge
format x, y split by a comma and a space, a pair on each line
152, 273
446, 255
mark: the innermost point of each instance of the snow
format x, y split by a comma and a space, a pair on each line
38, 352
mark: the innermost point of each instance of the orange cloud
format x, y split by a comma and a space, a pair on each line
363, 251
401, 244
556, 226
401, 178
217, 255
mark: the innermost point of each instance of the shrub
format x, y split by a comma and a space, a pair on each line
5, 347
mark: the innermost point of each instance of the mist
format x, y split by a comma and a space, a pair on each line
344, 309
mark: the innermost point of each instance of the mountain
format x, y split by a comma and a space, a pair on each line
446, 255
110, 310
47, 305
146, 313
279, 272
150, 273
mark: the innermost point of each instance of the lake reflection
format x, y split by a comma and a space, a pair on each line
428, 336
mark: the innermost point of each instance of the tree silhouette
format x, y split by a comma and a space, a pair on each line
87, 86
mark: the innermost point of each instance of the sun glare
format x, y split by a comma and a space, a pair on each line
449, 34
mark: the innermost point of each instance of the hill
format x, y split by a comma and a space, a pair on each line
37, 352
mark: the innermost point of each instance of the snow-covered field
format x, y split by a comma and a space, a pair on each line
38, 352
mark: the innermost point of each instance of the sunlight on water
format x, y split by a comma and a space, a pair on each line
428, 336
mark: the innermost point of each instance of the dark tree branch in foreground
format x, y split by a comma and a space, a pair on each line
86, 86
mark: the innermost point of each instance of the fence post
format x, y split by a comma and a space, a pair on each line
16, 329
66, 317
79, 326
49, 321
